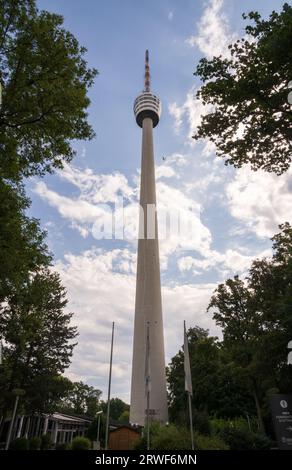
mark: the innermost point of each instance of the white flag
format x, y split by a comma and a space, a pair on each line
187, 366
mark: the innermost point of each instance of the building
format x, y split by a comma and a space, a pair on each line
61, 427
148, 388
123, 436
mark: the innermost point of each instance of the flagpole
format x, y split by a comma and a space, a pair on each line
148, 386
109, 389
191, 420
188, 382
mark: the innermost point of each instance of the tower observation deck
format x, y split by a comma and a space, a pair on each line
147, 104
148, 387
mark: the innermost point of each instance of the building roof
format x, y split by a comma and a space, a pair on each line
116, 426
70, 419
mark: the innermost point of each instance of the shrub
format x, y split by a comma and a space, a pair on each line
164, 438
62, 446
170, 438
140, 444
175, 438
46, 442
35, 443
201, 422
241, 439
20, 443
81, 443
203, 442
218, 424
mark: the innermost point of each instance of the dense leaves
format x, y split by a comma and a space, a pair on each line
117, 408
255, 317
22, 245
178, 438
235, 377
218, 387
250, 120
38, 341
81, 399
45, 81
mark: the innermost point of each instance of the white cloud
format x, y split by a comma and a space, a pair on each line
194, 235
191, 112
88, 210
177, 112
186, 302
230, 262
260, 200
165, 171
73, 209
176, 159
170, 15
101, 291
95, 187
213, 36
101, 282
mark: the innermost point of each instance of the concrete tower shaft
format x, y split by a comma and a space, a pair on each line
148, 307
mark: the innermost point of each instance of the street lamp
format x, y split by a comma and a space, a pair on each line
17, 392
98, 414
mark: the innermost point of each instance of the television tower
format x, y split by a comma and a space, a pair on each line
148, 389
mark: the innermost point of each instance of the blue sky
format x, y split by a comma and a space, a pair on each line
234, 212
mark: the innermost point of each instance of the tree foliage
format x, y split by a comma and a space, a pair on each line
218, 388
255, 317
250, 120
234, 377
22, 242
82, 399
38, 342
172, 437
117, 408
45, 81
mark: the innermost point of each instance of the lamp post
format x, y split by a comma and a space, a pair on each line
109, 389
18, 392
98, 414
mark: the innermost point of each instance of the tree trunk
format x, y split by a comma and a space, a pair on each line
258, 407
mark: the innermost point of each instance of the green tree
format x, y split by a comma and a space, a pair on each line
81, 399
93, 429
45, 80
250, 120
117, 407
125, 417
234, 312
255, 317
38, 342
218, 388
22, 245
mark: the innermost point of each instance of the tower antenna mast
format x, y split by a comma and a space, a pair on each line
147, 72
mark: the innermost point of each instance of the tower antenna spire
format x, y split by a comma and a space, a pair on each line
147, 72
